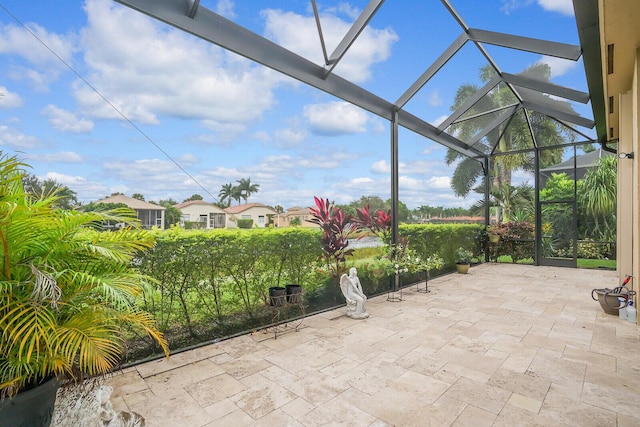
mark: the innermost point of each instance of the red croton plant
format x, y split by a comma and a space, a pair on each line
337, 226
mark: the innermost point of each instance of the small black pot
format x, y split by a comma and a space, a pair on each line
277, 294
294, 293
31, 408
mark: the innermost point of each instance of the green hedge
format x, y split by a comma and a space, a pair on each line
210, 284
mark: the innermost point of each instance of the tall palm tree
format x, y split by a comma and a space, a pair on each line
598, 194
247, 188
226, 194
510, 136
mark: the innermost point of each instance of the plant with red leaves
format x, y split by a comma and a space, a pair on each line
378, 223
336, 227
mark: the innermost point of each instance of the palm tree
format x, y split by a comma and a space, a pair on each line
247, 188
67, 291
66, 198
597, 194
226, 194
510, 136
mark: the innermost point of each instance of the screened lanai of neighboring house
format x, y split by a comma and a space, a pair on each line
507, 120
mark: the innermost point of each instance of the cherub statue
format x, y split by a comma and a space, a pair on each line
352, 291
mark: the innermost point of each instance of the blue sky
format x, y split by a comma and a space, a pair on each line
174, 116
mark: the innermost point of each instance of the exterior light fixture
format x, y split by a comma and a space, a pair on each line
625, 155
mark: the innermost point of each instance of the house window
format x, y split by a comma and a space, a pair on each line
246, 217
202, 218
261, 220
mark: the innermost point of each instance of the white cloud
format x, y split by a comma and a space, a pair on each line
558, 66
59, 157
289, 137
10, 137
66, 121
438, 120
439, 183
9, 99
262, 136
23, 42
335, 118
300, 35
562, 6
225, 8
147, 70
434, 99
381, 167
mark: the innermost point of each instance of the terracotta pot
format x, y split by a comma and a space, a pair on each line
493, 238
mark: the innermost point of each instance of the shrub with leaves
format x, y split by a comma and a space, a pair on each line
336, 227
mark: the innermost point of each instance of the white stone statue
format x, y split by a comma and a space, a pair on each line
352, 291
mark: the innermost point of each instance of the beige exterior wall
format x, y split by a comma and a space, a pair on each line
254, 213
194, 211
625, 186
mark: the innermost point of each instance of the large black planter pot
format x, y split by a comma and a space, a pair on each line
31, 408
277, 294
294, 293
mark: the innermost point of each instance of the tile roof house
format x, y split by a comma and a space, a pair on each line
149, 214
207, 215
259, 213
284, 219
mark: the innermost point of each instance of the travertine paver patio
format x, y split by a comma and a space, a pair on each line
505, 345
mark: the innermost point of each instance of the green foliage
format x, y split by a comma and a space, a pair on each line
66, 291
517, 241
245, 223
443, 239
295, 222
37, 188
463, 256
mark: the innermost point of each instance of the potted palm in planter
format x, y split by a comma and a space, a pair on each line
463, 260
66, 295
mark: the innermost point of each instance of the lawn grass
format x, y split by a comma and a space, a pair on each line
582, 262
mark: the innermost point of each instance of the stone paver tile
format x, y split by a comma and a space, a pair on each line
460, 371
370, 377
474, 417
298, 408
340, 367
318, 388
512, 416
558, 370
277, 418
517, 364
175, 409
611, 391
483, 396
555, 344
235, 419
338, 412
244, 366
562, 405
215, 389
178, 360
126, 383
183, 376
306, 358
425, 388
287, 340
526, 403
598, 361
480, 362
221, 408
627, 421
260, 401
398, 408
398, 344
572, 334
527, 384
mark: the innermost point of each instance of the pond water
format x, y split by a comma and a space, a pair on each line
365, 242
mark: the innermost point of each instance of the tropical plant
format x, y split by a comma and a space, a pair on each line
463, 256
66, 290
227, 194
512, 136
246, 188
598, 193
336, 228
400, 258
379, 223
66, 198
